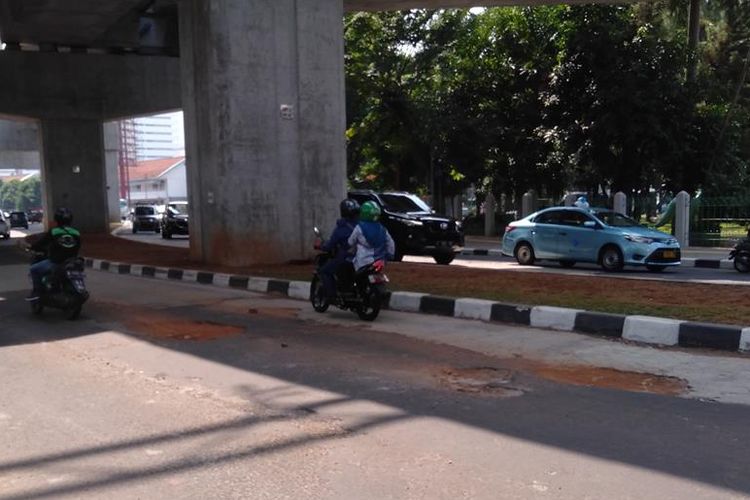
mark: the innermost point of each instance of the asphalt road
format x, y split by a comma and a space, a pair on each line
679, 274
167, 389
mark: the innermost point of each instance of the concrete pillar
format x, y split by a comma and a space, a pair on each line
490, 208
73, 171
621, 203
528, 203
682, 219
111, 160
263, 99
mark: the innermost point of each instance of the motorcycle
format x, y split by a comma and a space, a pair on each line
741, 255
63, 288
362, 292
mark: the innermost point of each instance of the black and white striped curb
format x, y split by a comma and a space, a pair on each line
685, 261
645, 329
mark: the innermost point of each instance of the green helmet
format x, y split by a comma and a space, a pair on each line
369, 211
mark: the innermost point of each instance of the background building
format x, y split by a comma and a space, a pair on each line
159, 136
158, 181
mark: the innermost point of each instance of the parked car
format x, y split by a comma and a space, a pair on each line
145, 218
4, 227
19, 219
415, 227
35, 216
601, 236
175, 220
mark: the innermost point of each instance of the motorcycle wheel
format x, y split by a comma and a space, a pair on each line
318, 296
73, 312
36, 307
370, 309
742, 262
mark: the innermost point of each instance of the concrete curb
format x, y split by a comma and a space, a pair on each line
643, 329
686, 261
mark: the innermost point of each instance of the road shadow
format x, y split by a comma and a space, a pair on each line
690, 439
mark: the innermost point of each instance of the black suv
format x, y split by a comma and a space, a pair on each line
145, 218
19, 219
414, 226
175, 220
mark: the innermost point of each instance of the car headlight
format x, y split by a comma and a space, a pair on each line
412, 223
639, 239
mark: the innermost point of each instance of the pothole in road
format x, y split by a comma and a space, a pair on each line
480, 380
181, 329
607, 378
275, 312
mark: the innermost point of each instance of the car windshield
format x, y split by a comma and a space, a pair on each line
144, 211
404, 203
178, 209
615, 219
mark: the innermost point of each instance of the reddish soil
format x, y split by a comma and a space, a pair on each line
499, 382
698, 302
609, 378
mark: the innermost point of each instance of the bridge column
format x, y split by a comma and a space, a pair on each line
73, 171
263, 97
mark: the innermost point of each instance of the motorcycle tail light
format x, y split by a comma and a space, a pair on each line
378, 278
378, 266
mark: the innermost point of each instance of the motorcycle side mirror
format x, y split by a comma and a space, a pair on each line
316, 231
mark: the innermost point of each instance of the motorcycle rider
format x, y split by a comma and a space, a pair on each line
59, 244
371, 238
338, 247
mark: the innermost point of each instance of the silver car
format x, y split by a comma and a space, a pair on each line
4, 227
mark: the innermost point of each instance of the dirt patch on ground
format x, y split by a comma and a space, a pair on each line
275, 312
501, 381
609, 378
180, 329
170, 326
481, 380
688, 301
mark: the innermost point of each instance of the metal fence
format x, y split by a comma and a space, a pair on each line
718, 221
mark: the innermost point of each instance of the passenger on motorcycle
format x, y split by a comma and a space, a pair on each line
338, 247
371, 238
59, 244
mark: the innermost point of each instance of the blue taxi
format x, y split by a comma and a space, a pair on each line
593, 235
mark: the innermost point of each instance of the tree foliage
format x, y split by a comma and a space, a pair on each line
21, 195
547, 98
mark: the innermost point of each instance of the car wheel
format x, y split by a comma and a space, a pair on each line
525, 254
656, 269
444, 259
611, 259
567, 263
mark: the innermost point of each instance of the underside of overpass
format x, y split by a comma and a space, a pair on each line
261, 84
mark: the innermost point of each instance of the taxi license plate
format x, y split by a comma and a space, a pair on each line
669, 254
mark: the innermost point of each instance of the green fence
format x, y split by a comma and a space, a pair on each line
718, 221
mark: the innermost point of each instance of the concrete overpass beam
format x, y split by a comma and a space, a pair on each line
73, 171
263, 96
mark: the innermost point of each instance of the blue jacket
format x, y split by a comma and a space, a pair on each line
337, 244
